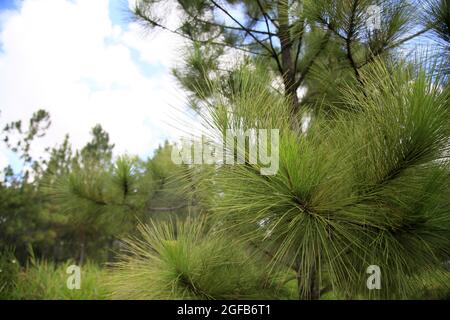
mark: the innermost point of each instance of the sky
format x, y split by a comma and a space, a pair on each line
86, 63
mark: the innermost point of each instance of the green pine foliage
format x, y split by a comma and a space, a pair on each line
183, 260
9, 273
368, 187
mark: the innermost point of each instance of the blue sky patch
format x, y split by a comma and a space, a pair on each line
8, 4
119, 13
147, 69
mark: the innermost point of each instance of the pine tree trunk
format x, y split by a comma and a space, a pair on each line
312, 285
314, 288
82, 249
299, 283
286, 56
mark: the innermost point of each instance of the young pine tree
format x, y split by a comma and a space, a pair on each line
368, 186
364, 182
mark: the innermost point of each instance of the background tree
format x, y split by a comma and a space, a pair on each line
19, 141
300, 40
98, 150
438, 20
75, 204
104, 199
23, 220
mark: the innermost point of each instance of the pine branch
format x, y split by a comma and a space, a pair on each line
305, 72
242, 26
392, 46
219, 25
299, 45
331, 27
154, 23
274, 53
271, 256
348, 41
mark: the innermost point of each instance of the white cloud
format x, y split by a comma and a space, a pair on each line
67, 57
169, 44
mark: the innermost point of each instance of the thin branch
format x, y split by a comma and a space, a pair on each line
313, 59
158, 25
299, 45
352, 61
392, 46
213, 23
231, 27
348, 41
272, 20
270, 255
402, 41
332, 28
241, 25
275, 54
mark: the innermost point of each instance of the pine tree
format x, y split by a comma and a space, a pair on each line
368, 186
